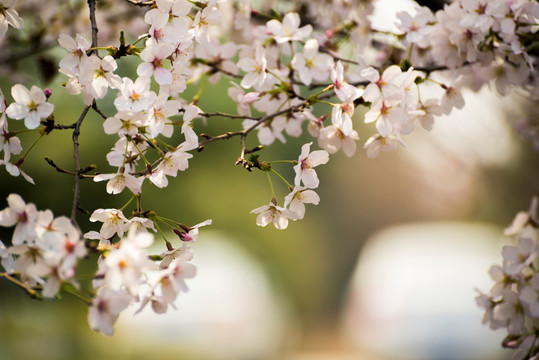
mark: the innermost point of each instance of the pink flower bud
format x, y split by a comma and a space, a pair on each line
251, 97
47, 92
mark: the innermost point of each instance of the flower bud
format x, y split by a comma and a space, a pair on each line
251, 97
47, 92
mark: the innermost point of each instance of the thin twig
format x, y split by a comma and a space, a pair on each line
231, 116
32, 292
97, 110
243, 133
141, 2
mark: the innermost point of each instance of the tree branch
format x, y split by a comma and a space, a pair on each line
31, 291
141, 2
91, 5
76, 195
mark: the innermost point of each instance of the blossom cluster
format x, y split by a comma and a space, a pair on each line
126, 274
287, 73
513, 301
300, 194
44, 251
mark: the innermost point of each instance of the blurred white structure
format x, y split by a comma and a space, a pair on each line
412, 293
230, 311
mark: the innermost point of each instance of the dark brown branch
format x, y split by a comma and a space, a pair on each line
231, 116
97, 110
243, 133
91, 5
64, 171
76, 191
57, 168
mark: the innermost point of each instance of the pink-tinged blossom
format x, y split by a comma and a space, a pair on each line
158, 116
416, 28
311, 64
21, 215
430, 108
269, 130
272, 213
134, 96
167, 20
117, 182
241, 99
289, 29
243, 14
191, 138
511, 312
76, 50
141, 224
6, 259
221, 54
30, 105
296, 200
191, 232
124, 123
174, 269
172, 162
123, 267
255, 69
452, 98
203, 19
315, 123
377, 143
387, 114
307, 161
516, 258
479, 14
114, 222
97, 75
522, 219
125, 153
489, 304
342, 89
153, 57
15, 170
341, 114
332, 139
530, 296
9, 16
106, 308
387, 86
9, 143
168, 256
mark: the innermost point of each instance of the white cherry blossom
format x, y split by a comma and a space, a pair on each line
307, 161
30, 105
296, 200
273, 214
289, 29
9, 16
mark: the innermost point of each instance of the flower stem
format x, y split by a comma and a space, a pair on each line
271, 184
282, 178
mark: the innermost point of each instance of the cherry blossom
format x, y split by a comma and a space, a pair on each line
306, 162
289, 29
273, 214
311, 64
9, 16
30, 105
23, 216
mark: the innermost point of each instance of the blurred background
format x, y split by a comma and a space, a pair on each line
384, 268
